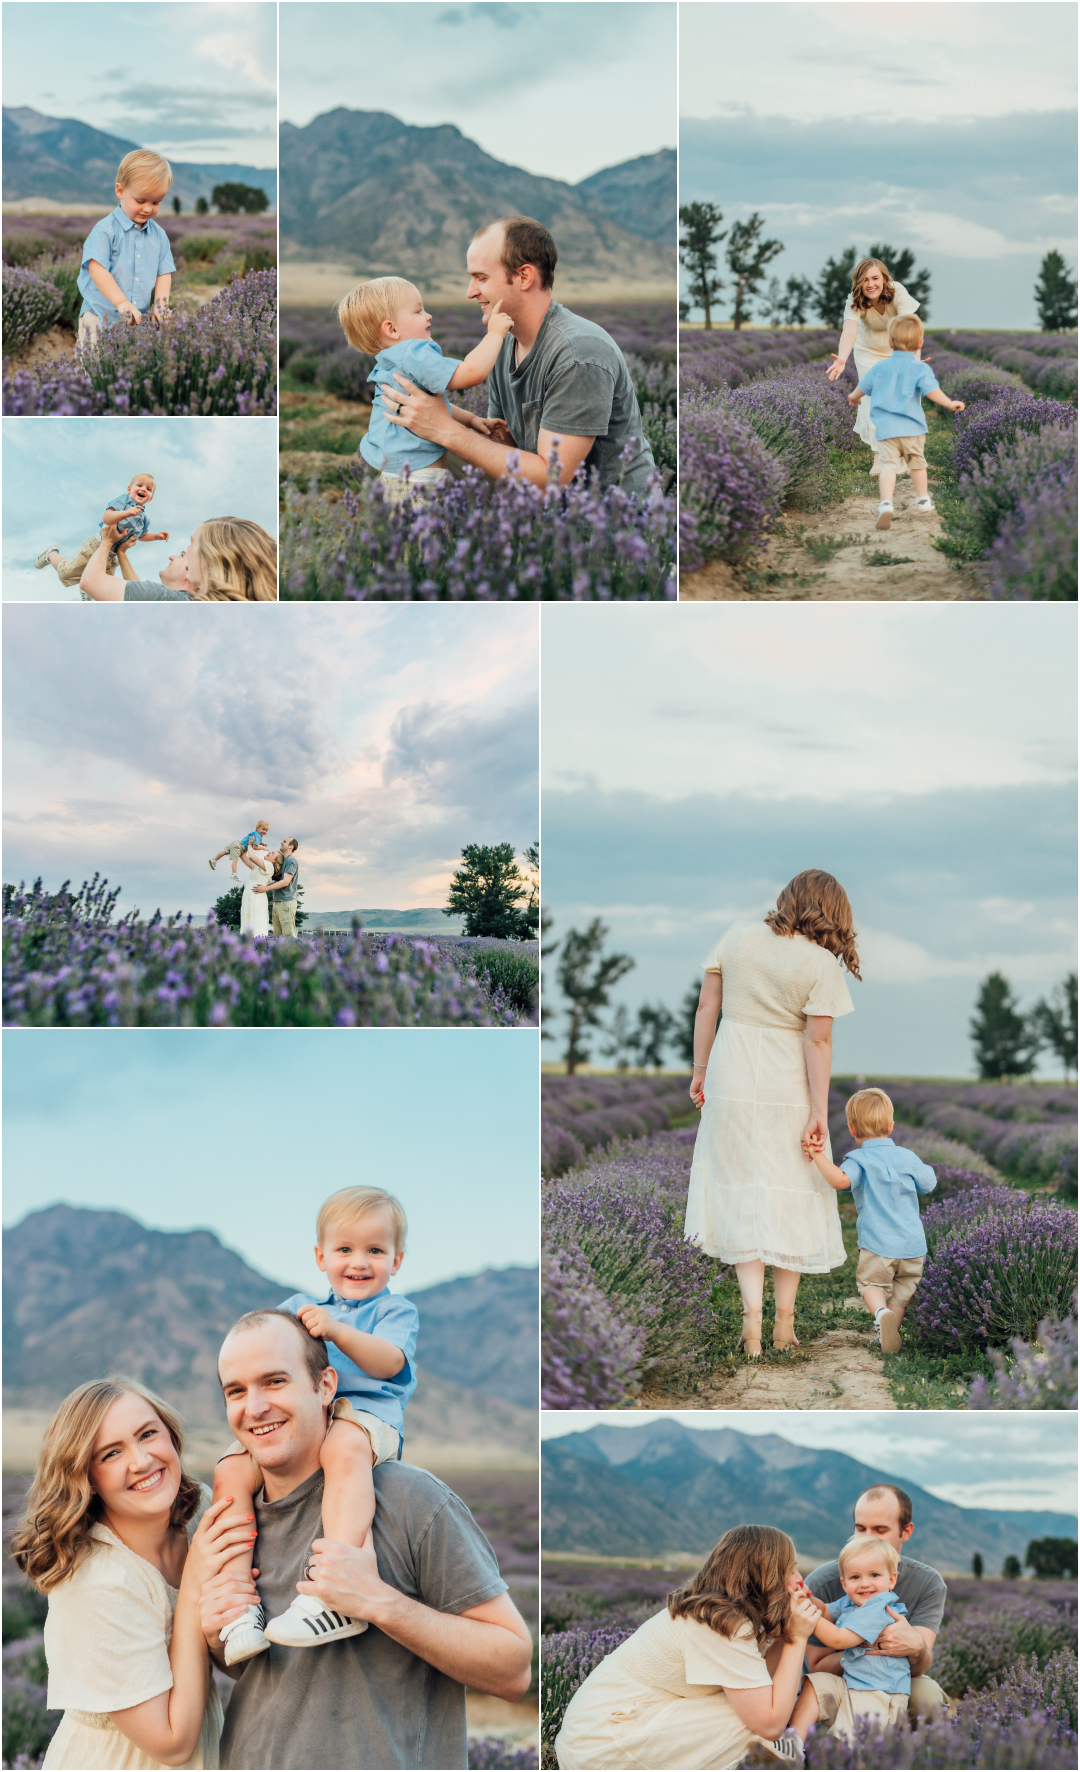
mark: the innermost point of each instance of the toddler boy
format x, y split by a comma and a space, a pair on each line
895, 386
387, 319
236, 848
885, 1181
135, 525
875, 1686
127, 262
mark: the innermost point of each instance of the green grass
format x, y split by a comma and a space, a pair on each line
882, 557
824, 548
919, 1381
955, 540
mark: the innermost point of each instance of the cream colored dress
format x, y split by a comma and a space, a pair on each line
871, 344
658, 1701
753, 1195
107, 1644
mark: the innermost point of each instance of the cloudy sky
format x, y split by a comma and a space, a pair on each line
104, 1120
924, 757
949, 128
199, 471
195, 81
384, 736
510, 76
1032, 1457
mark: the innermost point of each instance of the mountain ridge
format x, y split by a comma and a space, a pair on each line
62, 158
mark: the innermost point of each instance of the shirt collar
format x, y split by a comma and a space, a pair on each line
867, 1141
352, 1304
126, 222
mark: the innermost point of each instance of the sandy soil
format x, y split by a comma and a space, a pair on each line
837, 1372
921, 574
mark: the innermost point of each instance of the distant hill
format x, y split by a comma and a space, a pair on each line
639, 195
650, 1491
60, 157
89, 1292
389, 197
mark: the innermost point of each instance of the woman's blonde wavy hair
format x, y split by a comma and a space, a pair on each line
816, 905
239, 562
858, 299
53, 1537
744, 1577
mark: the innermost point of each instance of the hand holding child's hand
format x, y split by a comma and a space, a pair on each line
315, 1319
499, 322
804, 1617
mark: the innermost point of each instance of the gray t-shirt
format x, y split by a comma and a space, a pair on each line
573, 382
920, 1587
290, 868
363, 1702
149, 590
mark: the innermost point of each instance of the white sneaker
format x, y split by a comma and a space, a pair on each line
244, 1637
213, 867
885, 514
307, 1623
787, 1748
923, 505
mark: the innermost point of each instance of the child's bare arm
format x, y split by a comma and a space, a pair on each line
373, 1354
838, 1180
162, 286
825, 1630
158, 535
853, 399
941, 399
481, 360
111, 290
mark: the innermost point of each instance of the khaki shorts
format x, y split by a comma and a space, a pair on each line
385, 1440
901, 452
71, 570
840, 1704
897, 1279
89, 330
285, 917
396, 489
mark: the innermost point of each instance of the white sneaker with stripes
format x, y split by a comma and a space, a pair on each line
245, 1636
308, 1622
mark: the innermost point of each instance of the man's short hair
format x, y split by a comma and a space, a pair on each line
903, 1500
863, 1545
363, 310
144, 163
869, 1113
350, 1204
295, 841
526, 242
316, 1358
905, 332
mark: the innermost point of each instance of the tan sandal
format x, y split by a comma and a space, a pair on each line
784, 1330
751, 1334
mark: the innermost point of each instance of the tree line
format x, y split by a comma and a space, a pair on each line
748, 255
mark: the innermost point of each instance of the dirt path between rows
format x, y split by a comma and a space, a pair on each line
921, 573
840, 1373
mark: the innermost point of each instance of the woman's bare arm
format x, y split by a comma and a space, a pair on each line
817, 1050
99, 584
710, 1002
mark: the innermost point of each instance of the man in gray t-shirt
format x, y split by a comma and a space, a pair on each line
559, 380
97, 586
426, 1580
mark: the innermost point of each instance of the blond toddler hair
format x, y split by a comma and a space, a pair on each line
869, 1113
144, 163
905, 332
862, 1545
352, 1203
366, 307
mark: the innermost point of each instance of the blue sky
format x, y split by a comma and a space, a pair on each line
178, 1128
511, 76
949, 128
923, 753
81, 463
384, 736
993, 1460
196, 81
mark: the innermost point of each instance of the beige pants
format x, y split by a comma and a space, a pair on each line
285, 917
385, 1440
898, 1279
89, 330
71, 570
840, 1704
396, 489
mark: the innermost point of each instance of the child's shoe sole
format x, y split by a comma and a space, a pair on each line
291, 1632
241, 1645
884, 520
43, 559
890, 1334
924, 510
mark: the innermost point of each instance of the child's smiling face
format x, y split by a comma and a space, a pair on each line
359, 1258
140, 202
142, 489
866, 1575
410, 321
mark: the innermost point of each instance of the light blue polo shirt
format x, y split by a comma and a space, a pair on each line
135, 256
871, 1673
390, 447
137, 524
396, 1319
252, 837
894, 386
886, 1182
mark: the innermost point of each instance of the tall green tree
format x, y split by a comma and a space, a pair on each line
697, 253
621, 1044
652, 1035
227, 907
1056, 1022
236, 199
747, 256
488, 892
772, 302
1010, 1569
684, 1034
202, 207
833, 291
1055, 295
547, 949
976, 1561
798, 300
1002, 1036
901, 264
1052, 1559
586, 976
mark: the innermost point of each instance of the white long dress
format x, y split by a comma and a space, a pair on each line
753, 1195
255, 906
871, 345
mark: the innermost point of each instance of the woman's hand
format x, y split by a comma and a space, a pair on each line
815, 1135
216, 1540
697, 1089
804, 1617
837, 369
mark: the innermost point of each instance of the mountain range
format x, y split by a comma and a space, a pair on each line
661, 1489
388, 197
87, 1292
61, 158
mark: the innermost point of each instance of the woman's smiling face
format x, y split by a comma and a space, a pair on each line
134, 1466
873, 284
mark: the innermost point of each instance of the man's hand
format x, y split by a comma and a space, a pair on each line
315, 1318
899, 1638
221, 1599
423, 414
347, 1579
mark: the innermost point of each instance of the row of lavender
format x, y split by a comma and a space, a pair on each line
1044, 360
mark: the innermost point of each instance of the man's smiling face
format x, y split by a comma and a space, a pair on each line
488, 281
274, 1409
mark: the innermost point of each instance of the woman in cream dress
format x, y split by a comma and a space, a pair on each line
122, 1541
255, 906
875, 300
762, 1083
694, 1685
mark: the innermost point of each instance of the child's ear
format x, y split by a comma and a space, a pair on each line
320, 1258
398, 1259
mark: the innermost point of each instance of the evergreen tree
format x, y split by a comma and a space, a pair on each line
833, 290
547, 922
234, 199
620, 1045
202, 207
586, 975
772, 302
1055, 295
177, 206
1010, 1569
227, 907
697, 253
488, 892
1056, 1022
655, 1026
902, 270
798, 300
1052, 1559
684, 1038
747, 256
976, 1561
529, 915
1002, 1037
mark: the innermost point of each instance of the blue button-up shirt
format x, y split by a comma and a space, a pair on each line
397, 1320
135, 256
886, 1181
871, 1673
391, 448
137, 524
896, 385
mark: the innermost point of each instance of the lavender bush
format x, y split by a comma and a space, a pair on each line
494, 1751
984, 429
592, 1354
1024, 1131
567, 1658
31, 305
712, 360
1033, 555
67, 963
730, 487
1045, 361
994, 1273
577, 1114
1040, 1375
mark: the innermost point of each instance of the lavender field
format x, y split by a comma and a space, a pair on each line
628, 1305
70, 962
1006, 1653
